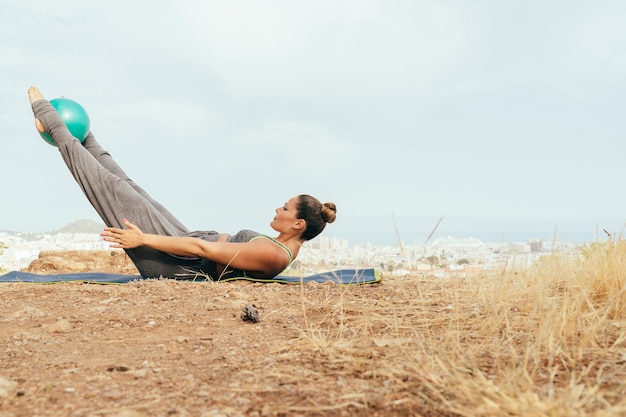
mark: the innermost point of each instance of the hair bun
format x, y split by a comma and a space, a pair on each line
329, 212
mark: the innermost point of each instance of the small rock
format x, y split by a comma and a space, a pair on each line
237, 294
61, 326
118, 368
250, 314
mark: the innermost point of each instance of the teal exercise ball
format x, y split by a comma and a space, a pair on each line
73, 115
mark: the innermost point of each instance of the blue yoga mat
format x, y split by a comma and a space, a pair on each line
341, 276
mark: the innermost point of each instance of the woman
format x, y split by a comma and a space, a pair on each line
158, 244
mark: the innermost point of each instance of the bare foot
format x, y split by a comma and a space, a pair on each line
35, 95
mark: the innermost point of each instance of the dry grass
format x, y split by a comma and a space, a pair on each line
545, 340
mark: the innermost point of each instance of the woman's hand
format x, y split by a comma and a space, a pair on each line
124, 238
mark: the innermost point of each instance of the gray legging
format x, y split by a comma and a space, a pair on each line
115, 197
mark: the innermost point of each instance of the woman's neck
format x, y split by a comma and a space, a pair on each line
292, 242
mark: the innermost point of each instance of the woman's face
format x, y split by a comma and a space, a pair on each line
286, 216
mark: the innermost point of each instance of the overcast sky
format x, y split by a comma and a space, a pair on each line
494, 114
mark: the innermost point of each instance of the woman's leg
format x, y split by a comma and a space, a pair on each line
104, 157
113, 197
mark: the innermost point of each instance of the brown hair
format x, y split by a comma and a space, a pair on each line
315, 214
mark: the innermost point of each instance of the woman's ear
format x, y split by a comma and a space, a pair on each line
300, 224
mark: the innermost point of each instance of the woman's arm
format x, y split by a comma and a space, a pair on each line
259, 256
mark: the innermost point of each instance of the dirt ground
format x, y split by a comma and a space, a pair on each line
169, 348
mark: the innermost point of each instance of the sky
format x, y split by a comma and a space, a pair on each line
497, 116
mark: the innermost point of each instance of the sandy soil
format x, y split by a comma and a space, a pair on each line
168, 348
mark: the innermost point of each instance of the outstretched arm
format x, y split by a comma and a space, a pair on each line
259, 256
